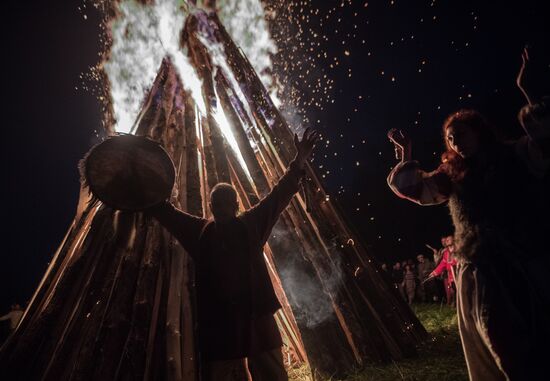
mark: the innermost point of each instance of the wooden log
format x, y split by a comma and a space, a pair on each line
78, 344
240, 135
255, 93
36, 346
213, 142
132, 364
189, 343
264, 154
36, 305
247, 194
180, 348
149, 114
70, 290
152, 362
174, 366
192, 178
115, 321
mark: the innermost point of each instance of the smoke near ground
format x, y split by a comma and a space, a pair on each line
311, 304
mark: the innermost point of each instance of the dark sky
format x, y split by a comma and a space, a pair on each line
49, 122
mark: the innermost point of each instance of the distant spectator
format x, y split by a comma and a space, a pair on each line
438, 283
409, 283
438, 253
13, 316
447, 263
397, 278
426, 290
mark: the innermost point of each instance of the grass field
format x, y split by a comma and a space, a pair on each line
439, 359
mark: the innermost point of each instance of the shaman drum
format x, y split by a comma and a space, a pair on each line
129, 172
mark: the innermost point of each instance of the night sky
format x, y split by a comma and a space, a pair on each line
404, 64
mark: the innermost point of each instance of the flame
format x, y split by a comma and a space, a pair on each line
223, 124
246, 23
142, 35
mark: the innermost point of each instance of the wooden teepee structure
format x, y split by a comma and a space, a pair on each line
117, 299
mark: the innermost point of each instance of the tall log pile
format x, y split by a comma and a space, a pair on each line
117, 299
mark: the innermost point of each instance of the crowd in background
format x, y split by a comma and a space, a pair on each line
426, 280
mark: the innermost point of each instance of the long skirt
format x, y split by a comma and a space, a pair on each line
502, 322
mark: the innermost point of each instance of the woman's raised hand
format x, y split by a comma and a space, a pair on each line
401, 142
519, 79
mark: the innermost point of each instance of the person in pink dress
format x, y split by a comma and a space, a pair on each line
447, 264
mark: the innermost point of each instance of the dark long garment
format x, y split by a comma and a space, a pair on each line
500, 211
235, 297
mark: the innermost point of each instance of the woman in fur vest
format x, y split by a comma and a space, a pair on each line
498, 197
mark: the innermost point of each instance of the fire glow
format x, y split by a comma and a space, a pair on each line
142, 35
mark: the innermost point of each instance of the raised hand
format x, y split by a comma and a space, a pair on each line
431, 248
304, 146
401, 142
519, 79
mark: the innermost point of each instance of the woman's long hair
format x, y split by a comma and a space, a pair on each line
452, 163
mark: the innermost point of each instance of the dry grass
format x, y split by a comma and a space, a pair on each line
439, 359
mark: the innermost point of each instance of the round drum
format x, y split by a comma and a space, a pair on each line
129, 172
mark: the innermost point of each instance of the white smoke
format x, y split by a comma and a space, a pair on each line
311, 304
310, 294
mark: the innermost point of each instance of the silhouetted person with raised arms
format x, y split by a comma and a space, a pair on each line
235, 297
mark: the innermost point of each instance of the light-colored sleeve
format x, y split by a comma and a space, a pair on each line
408, 181
534, 147
5, 317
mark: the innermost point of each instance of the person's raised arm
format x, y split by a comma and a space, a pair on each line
185, 227
263, 215
433, 249
534, 147
402, 144
408, 181
520, 77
